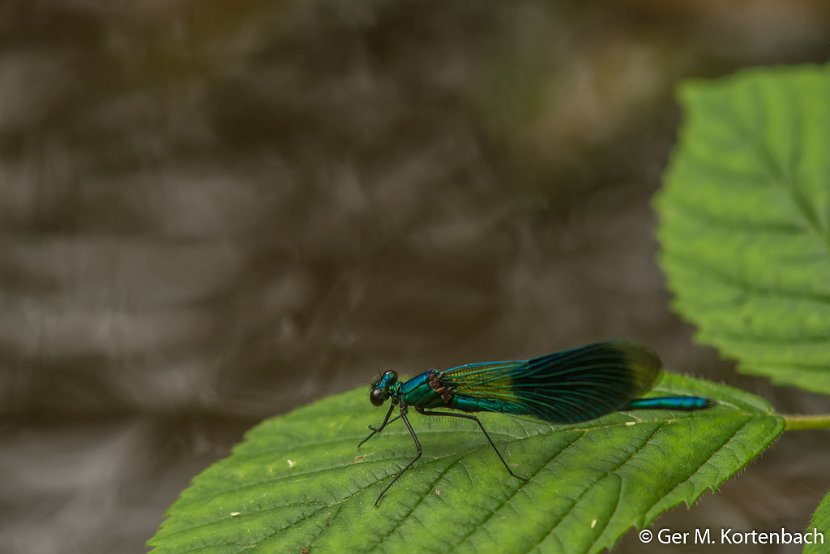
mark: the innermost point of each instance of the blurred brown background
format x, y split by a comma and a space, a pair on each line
213, 212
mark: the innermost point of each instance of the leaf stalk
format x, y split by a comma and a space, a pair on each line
806, 422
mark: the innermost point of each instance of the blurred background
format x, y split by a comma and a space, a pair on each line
213, 212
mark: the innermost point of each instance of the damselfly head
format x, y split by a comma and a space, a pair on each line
379, 391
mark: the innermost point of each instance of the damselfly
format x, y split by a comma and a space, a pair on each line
564, 387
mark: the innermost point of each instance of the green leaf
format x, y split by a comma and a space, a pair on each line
298, 481
820, 522
745, 221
